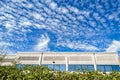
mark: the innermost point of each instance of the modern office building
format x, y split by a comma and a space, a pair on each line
68, 61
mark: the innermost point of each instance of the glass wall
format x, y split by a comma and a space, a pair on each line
23, 65
108, 68
81, 68
58, 67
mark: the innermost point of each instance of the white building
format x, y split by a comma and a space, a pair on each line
69, 61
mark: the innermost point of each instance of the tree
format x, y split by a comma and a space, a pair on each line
2, 55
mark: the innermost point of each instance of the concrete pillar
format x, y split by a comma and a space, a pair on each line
94, 60
67, 62
40, 58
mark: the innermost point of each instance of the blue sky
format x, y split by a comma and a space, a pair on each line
60, 25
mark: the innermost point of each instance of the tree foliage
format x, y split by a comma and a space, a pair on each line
2, 55
29, 72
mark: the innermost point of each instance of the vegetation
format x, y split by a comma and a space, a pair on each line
30, 72
2, 55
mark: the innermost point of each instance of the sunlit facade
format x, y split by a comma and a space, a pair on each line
68, 61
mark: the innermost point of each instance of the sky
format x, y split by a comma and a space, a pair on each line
60, 25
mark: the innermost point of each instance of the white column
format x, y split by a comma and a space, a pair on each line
94, 60
39, 59
66, 58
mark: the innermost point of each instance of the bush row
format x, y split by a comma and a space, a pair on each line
30, 72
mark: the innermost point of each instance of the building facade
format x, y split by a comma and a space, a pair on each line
68, 61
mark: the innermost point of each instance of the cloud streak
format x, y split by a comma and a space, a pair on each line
77, 45
42, 44
114, 46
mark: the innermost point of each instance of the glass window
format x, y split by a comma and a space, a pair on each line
101, 68
62, 67
20, 65
71, 68
45, 65
81, 67
35, 65
23, 65
108, 68
84, 68
78, 68
50, 66
58, 67
115, 68
90, 68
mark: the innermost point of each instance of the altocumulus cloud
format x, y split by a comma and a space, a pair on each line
82, 25
114, 46
77, 45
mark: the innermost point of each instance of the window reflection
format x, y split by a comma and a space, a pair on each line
81, 68
51, 67
62, 67
115, 68
23, 65
58, 67
101, 68
108, 68
91, 67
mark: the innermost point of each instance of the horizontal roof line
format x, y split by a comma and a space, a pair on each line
68, 52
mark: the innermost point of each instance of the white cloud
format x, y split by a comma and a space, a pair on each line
80, 17
26, 23
10, 24
74, 9
53, 5
47, 1
38, 16
110, 17
4, 44
18, 0
42, 43
92, 23
114, 46
40, 26
77, 45
30, 5
82, 46
63, 10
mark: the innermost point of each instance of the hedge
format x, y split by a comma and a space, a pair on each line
30, 72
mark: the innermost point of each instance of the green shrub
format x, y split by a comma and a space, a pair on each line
30, 72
